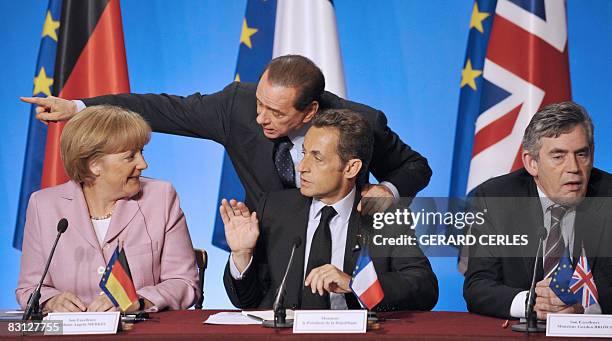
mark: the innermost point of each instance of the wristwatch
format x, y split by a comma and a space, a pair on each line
141, 304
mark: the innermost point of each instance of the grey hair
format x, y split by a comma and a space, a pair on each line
552, 121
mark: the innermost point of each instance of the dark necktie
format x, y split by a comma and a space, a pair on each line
554, 243
320, 254
284, 162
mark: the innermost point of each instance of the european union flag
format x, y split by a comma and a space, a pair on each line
560, 282
37, 132
471, 97
256, 42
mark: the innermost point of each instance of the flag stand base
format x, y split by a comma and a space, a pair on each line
270, 324
373, 321
524, 328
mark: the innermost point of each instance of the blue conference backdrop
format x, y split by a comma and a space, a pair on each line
404, 57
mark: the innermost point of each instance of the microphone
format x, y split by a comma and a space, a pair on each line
531, 324
280, 313
33, 309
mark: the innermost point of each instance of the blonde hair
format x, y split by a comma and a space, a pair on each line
97, 131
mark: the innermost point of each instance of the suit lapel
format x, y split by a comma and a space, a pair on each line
530, 208
295, 279
125, 211
350, 250
262, 161
78, 214
588, 230
354, 228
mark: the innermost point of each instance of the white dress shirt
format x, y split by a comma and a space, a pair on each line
101, 227
338, 226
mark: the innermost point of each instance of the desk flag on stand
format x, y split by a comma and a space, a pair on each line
365, 282
576, 285
117, 281
272, 28
82, 55
582, 283
516, 62
560, 279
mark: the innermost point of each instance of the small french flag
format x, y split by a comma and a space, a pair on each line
365, 282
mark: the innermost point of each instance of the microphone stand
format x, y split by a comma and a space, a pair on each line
33, 308
280, 312
531, 324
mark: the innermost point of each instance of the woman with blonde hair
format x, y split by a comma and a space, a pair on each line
107, 203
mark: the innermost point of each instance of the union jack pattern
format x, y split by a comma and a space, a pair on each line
582, 283
516, 63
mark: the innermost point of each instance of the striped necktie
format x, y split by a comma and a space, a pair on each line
554, 243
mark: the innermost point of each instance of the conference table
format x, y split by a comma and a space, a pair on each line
187, 324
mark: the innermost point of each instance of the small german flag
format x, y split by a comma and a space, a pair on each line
117, 281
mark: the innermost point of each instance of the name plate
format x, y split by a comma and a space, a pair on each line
330, 321
87, 323
579, 325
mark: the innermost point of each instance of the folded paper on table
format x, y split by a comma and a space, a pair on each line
230, 318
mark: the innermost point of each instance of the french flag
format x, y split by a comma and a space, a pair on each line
365, 282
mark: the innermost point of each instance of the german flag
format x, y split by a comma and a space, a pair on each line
86, 37
90, 62
117, 281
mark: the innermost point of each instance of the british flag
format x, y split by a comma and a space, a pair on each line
582, 282
516, 62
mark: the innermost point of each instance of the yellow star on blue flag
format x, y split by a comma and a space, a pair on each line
469, 75
560, 280
50, 27
477, 18
247, 32
42, 83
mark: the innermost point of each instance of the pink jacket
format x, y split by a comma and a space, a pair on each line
151, 226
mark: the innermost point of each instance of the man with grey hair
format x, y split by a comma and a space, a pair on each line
557, 155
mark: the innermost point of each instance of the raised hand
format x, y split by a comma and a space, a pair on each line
241, 231
51, 109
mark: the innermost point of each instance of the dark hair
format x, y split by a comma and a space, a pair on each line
554, 120
295, 71
356, 140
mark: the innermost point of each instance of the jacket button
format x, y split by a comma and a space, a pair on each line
101, 270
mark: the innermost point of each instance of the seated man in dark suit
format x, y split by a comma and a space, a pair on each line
322, 213
549, 191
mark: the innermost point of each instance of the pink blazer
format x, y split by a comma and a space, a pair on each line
151, 226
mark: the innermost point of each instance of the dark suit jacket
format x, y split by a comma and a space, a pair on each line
496, 275
407, 280
228, 117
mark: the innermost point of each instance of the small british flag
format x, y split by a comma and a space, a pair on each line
582, 283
